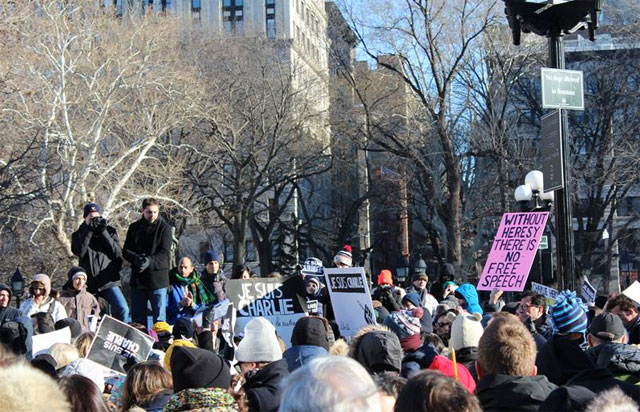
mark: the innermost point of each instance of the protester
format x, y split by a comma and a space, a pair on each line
7, 313
628, 312
344, 258
506, 368
432, 391
78, 303
73, 325
330, 384
212, 276
412, 300
24, 388
187, 292
442, 325
387, 293
466, 331
389, 386
447, 277
377, 349
612, 400
260, 362
83, 342
147, 247
97, 246
243, 272
608, 349
309, 340
533, 308
87, 368
182, 333
419, 283
43, 309
46, 363
316, 295
468, 298
148, 386
83, 394
63, 354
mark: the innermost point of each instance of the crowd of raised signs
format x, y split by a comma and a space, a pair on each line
202, 341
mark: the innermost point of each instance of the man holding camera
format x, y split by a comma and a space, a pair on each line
97, 246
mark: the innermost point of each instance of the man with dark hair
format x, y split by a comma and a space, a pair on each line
147, 247
533, 308
506, 367
97, 246
212, 275
7, 313
627, 310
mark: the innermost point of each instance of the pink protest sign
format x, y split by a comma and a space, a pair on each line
513, 251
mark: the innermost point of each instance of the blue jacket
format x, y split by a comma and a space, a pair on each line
297, 356
469, 293
174, 311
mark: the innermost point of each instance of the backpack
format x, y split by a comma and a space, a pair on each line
43, 321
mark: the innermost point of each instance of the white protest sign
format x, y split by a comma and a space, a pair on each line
40, 343
117, 343
546, 291
588, 292
350, 298
633, 292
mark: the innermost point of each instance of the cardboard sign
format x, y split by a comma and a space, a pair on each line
549, 293
350, 298
275, 299
633, 292
588, 291
117, 343
40, 343
513, 251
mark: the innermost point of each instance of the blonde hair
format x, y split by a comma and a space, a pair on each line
63, 353
506, 347
144, 380
83, 342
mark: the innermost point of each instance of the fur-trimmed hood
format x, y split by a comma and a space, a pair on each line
23, 388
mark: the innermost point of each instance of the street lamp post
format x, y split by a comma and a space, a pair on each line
17, 284
402, 269
553, 19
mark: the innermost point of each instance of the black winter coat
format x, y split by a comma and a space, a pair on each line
263, 388
621, 359
508, 393
154, 241
100, 256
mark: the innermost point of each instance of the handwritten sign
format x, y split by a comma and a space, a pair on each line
549, 293
513, 251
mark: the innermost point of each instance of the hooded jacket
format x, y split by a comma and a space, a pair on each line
100, 256
507, 393
469, 293
300, 355
621, 359
8, 313
263, 387
154, 241
560, 359
79, 304
378, 351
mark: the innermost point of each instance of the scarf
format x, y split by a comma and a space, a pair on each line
197, 288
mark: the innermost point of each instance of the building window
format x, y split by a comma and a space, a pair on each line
271, 18
232, 16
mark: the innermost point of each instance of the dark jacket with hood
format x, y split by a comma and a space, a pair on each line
8, 313
378, 351
263, 386
215, 282
309, 339
447, 274
469, 293
153, 240
158, 401
508, 393
560, 359
621, 359
79, 304
100, 255
634, 331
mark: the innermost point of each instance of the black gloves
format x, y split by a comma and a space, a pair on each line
141, 262
98, 224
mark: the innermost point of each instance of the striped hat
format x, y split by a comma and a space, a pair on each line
568, 314
405, 323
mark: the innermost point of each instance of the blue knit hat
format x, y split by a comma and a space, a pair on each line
568, 314
210, 256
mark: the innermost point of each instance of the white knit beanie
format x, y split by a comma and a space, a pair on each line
466, 331
259, 343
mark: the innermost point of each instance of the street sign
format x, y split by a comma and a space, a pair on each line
562, 89
551, 148
544, 242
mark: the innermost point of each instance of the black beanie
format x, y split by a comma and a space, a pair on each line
193, 368
74, 326
4, 286
183, 328
310, 331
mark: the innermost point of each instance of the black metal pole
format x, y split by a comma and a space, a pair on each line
564, 217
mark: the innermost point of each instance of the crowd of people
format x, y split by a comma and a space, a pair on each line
435, 344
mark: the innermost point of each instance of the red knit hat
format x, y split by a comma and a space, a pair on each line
385, 277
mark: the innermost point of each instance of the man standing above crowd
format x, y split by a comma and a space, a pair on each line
97, 246
212, 277
7, 313
147, 248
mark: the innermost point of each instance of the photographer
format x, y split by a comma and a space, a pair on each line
97, 246
387, 293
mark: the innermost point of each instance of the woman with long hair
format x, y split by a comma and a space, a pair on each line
148, 386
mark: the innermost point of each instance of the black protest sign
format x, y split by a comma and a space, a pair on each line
117, 344
264, 296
